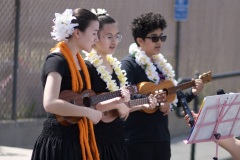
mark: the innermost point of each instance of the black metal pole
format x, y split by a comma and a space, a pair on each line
177, 47
15, 59
193, 146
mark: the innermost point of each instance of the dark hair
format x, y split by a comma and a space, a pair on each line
146, 23
83, 18
105, 19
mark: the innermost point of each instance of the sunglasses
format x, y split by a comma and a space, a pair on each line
156, 38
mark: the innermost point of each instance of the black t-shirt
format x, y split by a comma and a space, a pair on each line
56, 62
97, 84
142, 126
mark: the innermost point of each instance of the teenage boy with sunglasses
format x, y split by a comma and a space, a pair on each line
147, 135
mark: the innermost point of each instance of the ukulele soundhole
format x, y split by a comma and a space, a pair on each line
165, 90
87, 101
72, 101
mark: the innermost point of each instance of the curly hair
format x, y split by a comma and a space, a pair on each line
146, 23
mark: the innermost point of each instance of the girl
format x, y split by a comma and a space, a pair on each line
64, 69
107, 76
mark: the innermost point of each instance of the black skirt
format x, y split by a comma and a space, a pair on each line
57, 142
110, 140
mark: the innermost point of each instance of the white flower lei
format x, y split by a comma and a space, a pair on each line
97, 61
99, 11
63, 27
144, 61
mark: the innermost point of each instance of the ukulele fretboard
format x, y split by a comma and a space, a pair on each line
103, 97
173, 90
136, 102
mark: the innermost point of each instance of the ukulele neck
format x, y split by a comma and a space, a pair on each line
136, 102
173, 90
102, 97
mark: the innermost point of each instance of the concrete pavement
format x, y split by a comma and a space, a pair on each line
13, 153
180, 151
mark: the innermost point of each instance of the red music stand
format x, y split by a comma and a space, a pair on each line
219, 118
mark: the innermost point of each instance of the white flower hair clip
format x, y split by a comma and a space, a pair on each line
63, 27
99, 11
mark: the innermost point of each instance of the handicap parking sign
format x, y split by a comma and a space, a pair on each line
181, 10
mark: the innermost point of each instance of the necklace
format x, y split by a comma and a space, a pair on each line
149, 66
96, 60
150, 69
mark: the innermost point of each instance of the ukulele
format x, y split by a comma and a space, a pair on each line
87, 98
168, 87
109, 116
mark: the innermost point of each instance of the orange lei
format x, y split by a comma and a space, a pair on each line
89, 152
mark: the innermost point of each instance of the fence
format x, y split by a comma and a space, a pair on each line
208, 42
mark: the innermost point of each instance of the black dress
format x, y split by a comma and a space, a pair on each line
57, 142
109, 136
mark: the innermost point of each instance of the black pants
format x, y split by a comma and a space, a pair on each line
149, 150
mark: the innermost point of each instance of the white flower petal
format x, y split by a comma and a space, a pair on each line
97, 61
62, 25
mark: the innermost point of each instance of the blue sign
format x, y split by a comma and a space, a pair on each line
181, 10
181, 2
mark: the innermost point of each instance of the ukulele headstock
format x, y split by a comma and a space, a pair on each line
206, 77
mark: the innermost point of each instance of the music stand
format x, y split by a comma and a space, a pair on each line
219, 118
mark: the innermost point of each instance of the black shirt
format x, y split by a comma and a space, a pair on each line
56, 62
97, 84
142, 126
